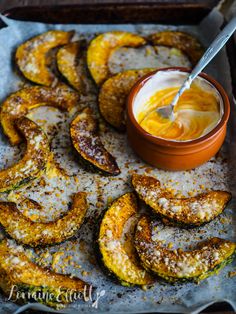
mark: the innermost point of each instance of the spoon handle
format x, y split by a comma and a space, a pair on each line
213, 49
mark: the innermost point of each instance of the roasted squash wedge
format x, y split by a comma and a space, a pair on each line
86, 141
113, 94
67, 62
34, 161
180, 40
178, 265
31, 233
19, 103
188, 212
117, 249
20, 277
32, 56
28, 204
103, 46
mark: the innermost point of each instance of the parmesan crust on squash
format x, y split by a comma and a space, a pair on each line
28, 279
179, 265
34, 161
19, 103
116, 248
113, 95
26, 231
88, 144
102, 46
188, 212
185, 42
32, 56
67, 63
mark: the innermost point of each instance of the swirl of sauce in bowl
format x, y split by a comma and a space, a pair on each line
196, 113
199, 127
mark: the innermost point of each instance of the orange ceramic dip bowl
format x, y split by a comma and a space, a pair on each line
173, 155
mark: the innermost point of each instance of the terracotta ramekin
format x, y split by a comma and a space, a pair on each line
171, 155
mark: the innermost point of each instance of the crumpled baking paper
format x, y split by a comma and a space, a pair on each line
215, 174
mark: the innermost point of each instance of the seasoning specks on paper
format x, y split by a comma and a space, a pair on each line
54, 193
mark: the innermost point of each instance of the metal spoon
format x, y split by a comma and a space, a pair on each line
214, 48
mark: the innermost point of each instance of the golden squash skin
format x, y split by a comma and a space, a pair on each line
102, 46
180, 40
34, 161
178, 265
28, 232
86, 141
32, 56
117, 256
17, 270
67, 61
19, 103
186, 212
28, 205
113, 94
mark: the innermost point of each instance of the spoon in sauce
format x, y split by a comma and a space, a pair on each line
167, 112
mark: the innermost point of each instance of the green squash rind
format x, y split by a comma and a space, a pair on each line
178, 266
34, 161
18, 271
32, 233
150, 191
128, 205
86, 141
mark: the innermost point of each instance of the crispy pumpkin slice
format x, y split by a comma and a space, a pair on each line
29, 204
19, 103
31, 233
31, 56
180, 40
67, 62
188, 212
118, 255
20, 276
113, 94
86, 141
103, 46
178, 265
34, 161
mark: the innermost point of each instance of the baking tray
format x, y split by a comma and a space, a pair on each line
116, 12
143, 12
96, 12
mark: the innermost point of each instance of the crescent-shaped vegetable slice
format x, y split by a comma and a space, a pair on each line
187, 212
31, 233
180, 40
20, 276
32, 55
178, 265
67, 61
118, 255
103, 46
86, 141
19, 103
34, 161
113, 94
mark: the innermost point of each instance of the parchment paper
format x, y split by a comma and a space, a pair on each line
78, 254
